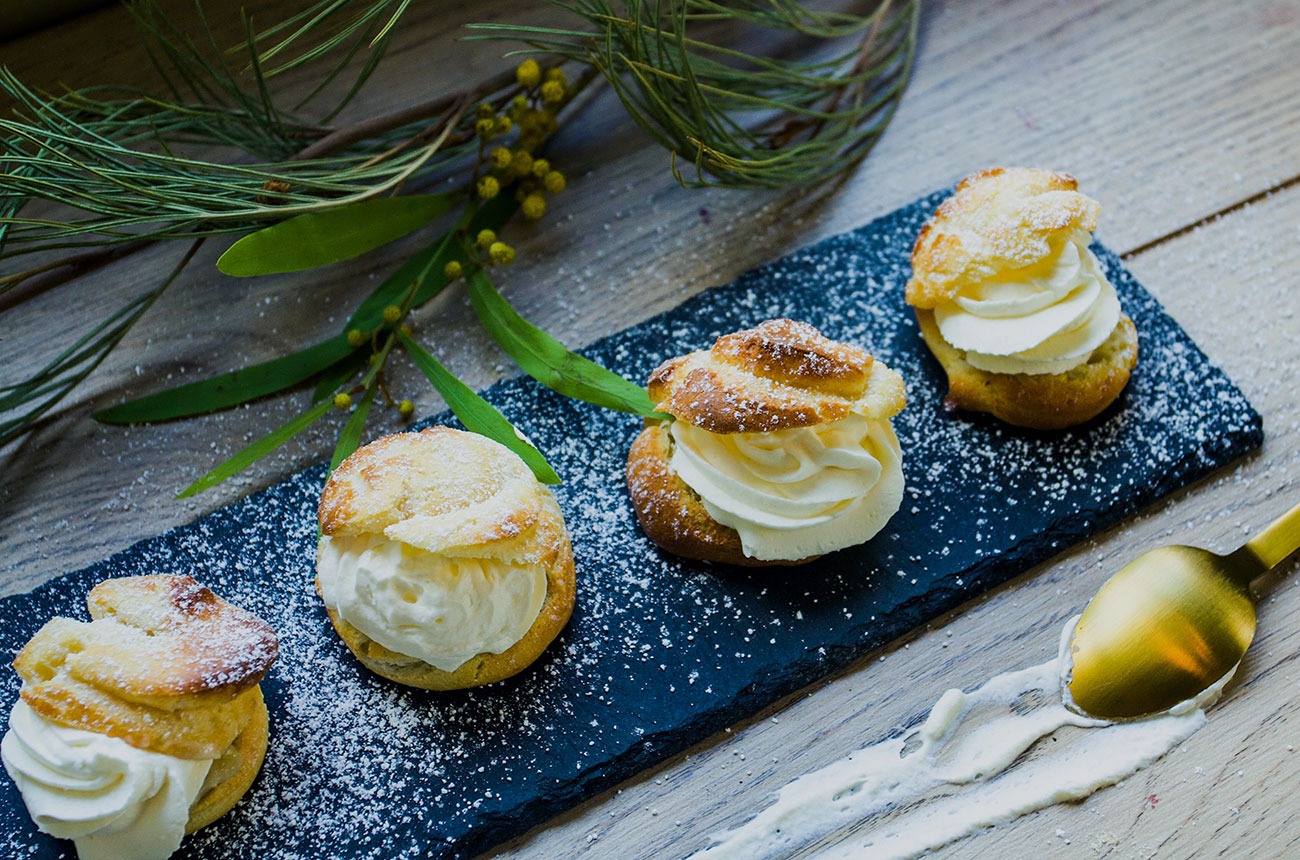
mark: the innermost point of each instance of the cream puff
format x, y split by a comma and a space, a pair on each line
780, 448
443, 563
1014, 304
145, 723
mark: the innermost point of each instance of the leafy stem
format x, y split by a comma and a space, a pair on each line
113, 171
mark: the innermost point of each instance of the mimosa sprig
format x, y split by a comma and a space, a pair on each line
93, 175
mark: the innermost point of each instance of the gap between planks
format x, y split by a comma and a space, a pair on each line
1210, 218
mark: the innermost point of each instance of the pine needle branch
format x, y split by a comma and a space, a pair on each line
744, 119
91, 176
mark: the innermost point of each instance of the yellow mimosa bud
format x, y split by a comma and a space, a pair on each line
533, 206
488, 187
552, 92
529, 74
501, 253
554, 182
521, 163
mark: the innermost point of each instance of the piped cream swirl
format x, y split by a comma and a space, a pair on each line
112, 799
797, 492
439, 609
1044, 318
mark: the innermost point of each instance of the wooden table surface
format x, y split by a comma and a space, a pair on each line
1181, 116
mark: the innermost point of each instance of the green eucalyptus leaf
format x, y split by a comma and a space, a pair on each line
319, 238
229, 389
350, 437
256, 451
334, 359
547, 360
476, 413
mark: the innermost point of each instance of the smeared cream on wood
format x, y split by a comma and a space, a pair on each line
975, 762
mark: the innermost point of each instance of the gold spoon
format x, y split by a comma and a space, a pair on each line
1170, 623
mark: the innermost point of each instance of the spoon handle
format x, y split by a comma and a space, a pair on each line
1279, 539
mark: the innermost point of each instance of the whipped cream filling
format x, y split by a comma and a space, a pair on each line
435, 608
798, 492
112, 799
1044, 318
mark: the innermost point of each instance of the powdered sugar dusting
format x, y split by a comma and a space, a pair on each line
660, 652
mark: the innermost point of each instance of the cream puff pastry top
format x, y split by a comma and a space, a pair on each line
785, 437
1006, 268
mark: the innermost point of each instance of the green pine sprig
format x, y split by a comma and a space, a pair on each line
94, 175
378, 327
771, 120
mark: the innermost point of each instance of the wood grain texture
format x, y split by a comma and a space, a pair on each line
1169, 113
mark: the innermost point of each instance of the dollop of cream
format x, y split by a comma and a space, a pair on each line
978, 760
432, 607
113, 800
797, 492
1044, 318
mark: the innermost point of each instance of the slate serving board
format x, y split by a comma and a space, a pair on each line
660, 652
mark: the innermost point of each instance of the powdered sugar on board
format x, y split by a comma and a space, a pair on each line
660, 652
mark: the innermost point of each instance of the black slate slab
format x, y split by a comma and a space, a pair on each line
660, 652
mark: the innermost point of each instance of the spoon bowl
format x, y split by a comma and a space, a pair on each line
1169, 625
